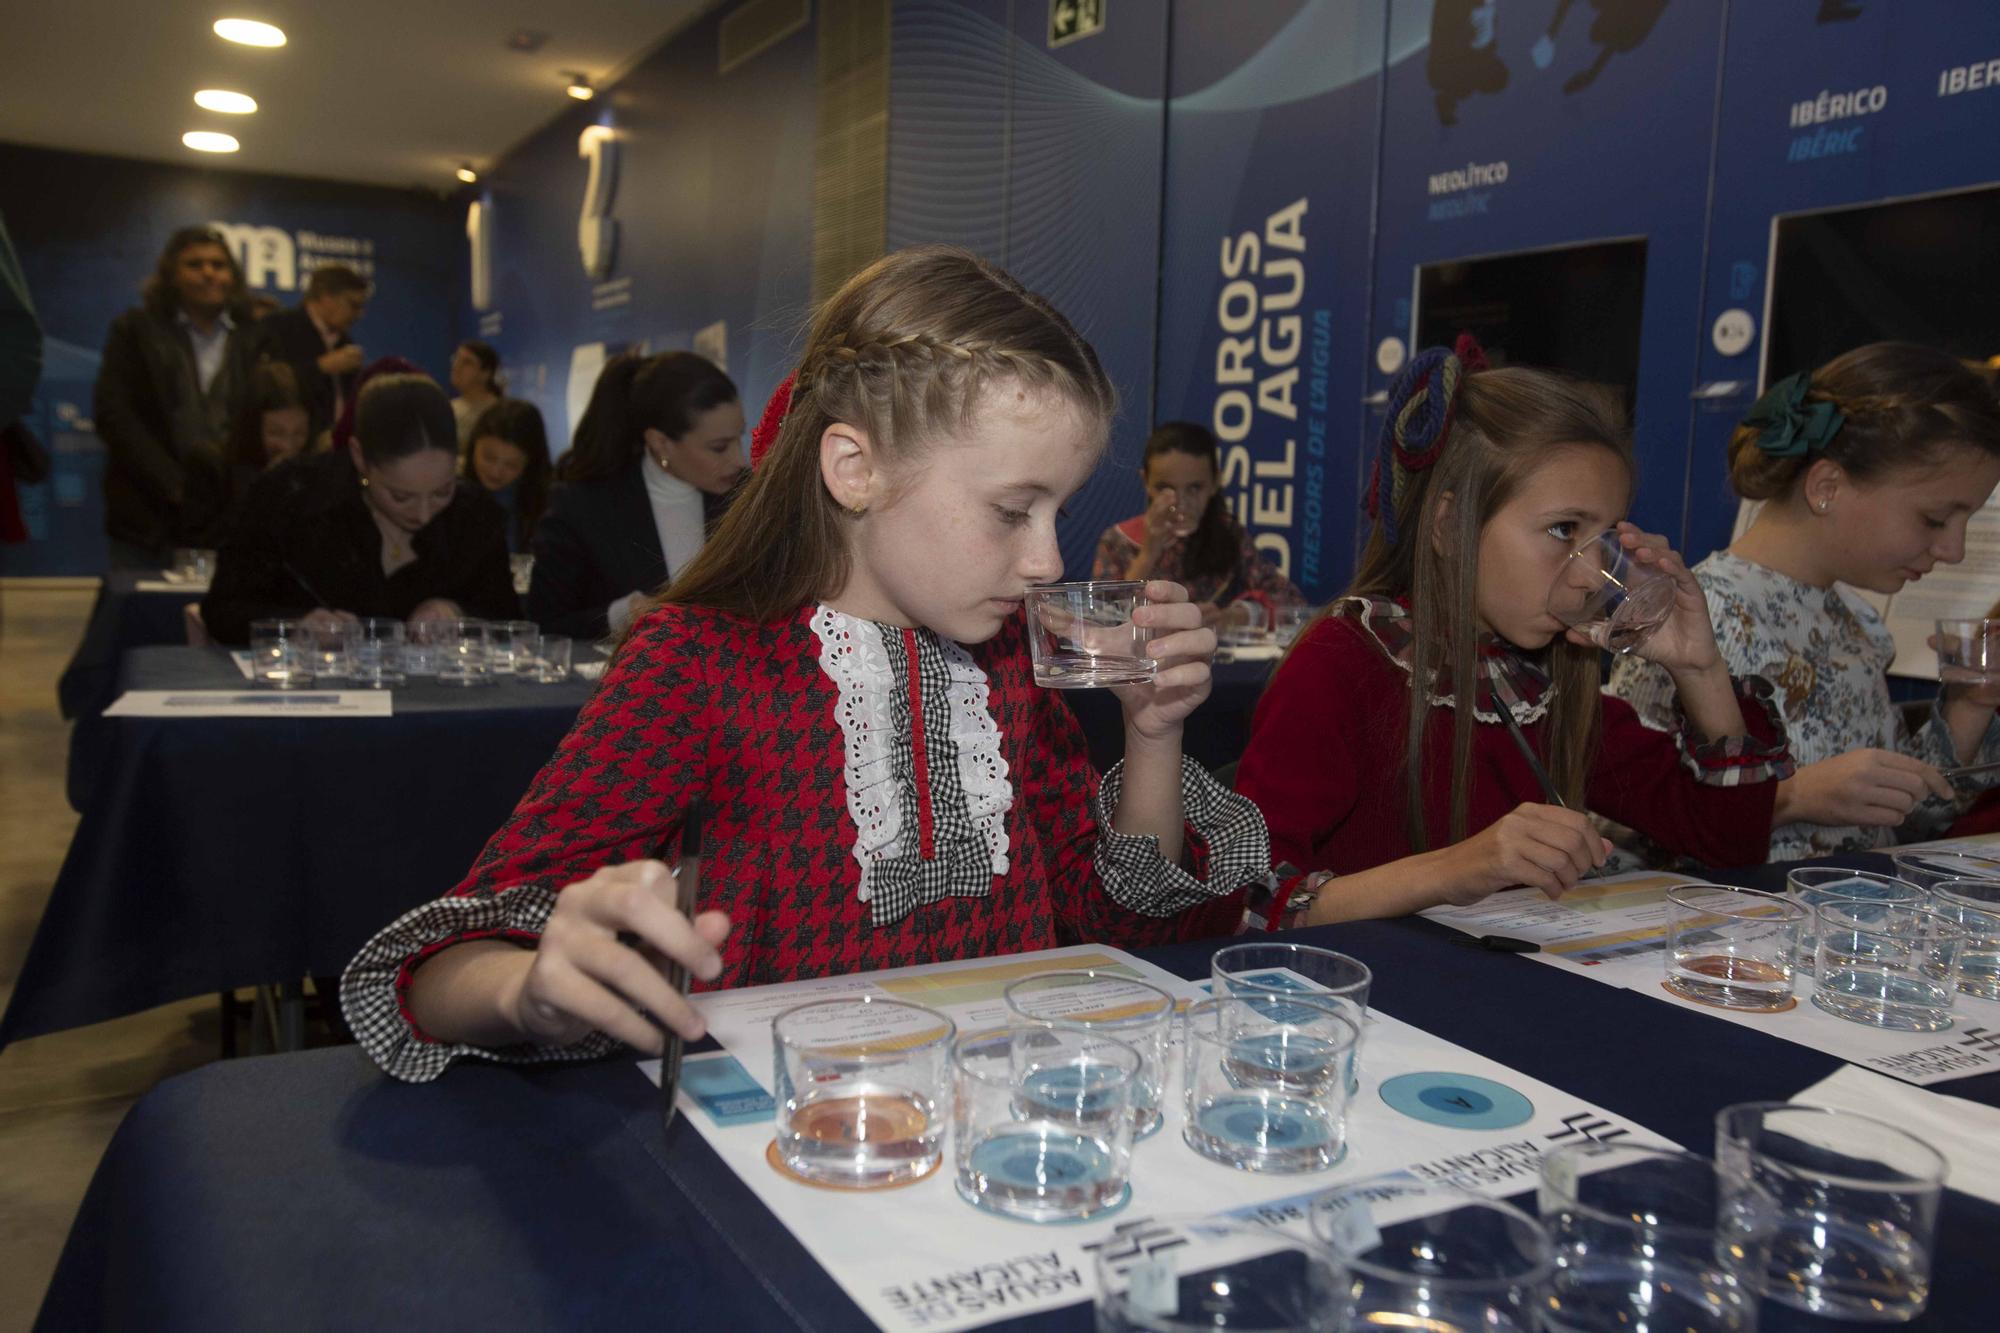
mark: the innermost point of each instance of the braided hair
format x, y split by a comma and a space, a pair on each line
903, 351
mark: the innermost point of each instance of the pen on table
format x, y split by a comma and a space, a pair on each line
687, 890
1493, 670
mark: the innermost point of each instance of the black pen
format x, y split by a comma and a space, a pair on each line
687, 889
1493, 669
309, 590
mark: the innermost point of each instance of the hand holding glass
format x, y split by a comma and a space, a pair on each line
1082, 635
1605, 593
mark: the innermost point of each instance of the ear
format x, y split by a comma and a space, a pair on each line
354, 453
1441, 515
848, 466
1822, 484
657, 441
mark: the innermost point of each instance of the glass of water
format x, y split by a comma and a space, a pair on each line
1215, 1275
1849, 1206
1420, 1256
863, 1089
1140, 1015
1042, 1122
465, 654
1604, 592
1733, 948
281, 654
1975, 905
550, 664
1811, 886
1887, 965
424, 645
1968, 652
1925, 869
510, 643
1291, 619
522, 566
1081, 635
1266, 1086
375, 652
193, 565
1282, 969
1637, 1246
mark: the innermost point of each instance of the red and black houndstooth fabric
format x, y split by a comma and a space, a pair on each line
745, 714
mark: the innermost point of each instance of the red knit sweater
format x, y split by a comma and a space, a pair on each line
1325, 763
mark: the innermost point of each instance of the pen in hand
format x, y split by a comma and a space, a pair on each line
687, 893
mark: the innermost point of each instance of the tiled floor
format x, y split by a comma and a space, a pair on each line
61, 1096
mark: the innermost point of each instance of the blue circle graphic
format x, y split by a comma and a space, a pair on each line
1459, 1101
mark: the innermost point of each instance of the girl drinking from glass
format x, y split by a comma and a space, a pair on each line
842, 678
1187, 534
1868, 470
1381, 754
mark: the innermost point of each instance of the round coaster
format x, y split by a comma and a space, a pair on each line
1791, 1003
1460, 1101
1029, 1162
777, 1164
1262, 1125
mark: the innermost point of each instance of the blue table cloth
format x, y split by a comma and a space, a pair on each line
121, 619
310, 1190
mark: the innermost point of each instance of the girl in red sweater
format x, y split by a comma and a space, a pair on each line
842, 678
1371, 770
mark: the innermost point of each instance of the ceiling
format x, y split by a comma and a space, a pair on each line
389, 92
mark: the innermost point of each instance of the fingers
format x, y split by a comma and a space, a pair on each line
561, 989
635, 897
1163, 592
1197, 644
631, 975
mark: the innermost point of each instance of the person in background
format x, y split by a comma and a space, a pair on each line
314, 340
21, 458
384, 528
507, 453
656, 456
475, 378
173, 371
269, 429
1868, 470
1380, 755
1188, 535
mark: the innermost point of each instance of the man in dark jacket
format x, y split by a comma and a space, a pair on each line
312, 338
174, 367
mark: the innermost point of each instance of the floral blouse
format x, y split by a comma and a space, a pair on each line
1827, 653
1254, 577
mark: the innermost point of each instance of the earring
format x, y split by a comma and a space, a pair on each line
1823, 504
364, 483
857, 510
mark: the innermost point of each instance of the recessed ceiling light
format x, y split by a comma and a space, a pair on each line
580, 89
228, 103
210, 141
249, 32
467, 174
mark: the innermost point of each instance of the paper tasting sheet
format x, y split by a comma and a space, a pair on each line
919, 1257
236, 703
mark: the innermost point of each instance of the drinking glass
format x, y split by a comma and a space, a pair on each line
1042, 1124
1810, 886
1420, 1256
1968, 652
1286, 969
1291, 619
509, 643
1733, 948
1975, 905
425, 643
1135, 1013
1265, 1088
281, 654
464, 654
328, 649
522, 566
1925, 868
1215, 1275
1610, 596
375, 652
1887, 965
193, 565
863, 1089
1848, 1205
1081, 635
1636, 1243
550, 664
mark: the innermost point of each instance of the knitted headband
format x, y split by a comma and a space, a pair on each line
1422, 401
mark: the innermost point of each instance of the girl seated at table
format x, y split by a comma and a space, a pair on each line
270, 426
842, 677
1380, 754
654, 462
507, 453
1867, 470
384, 527
1188, 535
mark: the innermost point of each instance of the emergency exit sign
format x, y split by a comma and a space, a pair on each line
1070, 20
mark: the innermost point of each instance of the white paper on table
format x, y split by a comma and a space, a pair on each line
189, 587
245, 662
588, 670
1598, 921
919, 1257
1249, 652
1965, 1132
240, 703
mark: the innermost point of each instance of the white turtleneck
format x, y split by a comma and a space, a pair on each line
678, 518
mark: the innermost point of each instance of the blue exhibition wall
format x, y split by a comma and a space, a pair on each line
88, 230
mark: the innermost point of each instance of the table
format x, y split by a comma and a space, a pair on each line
218, 853
122, 618
1216, 732
310, 1189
